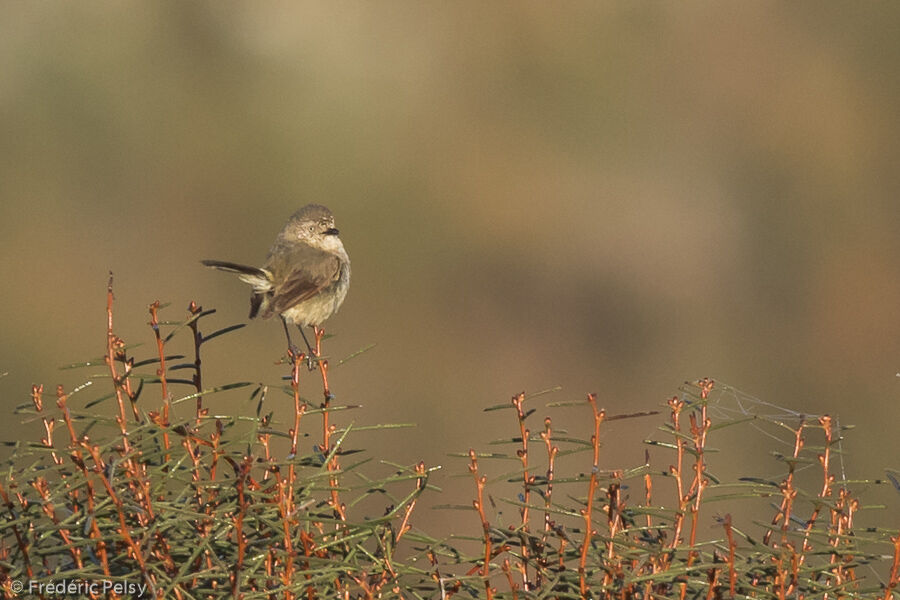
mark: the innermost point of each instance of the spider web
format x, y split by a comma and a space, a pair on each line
778, 424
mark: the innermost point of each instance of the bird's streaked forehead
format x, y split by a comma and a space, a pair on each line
313, 212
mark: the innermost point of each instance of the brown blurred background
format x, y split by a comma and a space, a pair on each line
611, 198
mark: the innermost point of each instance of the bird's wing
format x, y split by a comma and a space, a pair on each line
299, 274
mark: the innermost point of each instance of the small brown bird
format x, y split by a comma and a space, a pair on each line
306, 275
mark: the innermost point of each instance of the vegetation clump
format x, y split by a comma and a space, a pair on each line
189, 504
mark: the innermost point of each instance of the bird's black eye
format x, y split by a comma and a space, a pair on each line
312, 228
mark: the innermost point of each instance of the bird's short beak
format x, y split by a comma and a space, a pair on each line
332, 231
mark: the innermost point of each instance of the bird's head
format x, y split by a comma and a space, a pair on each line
314, 225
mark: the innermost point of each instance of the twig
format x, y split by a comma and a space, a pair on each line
894, 579
478, 503
197, 378
327, 431
163, 417
586, 512
522, 453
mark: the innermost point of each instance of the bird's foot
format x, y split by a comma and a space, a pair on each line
293, 353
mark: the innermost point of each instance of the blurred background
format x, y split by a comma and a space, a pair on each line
612, 198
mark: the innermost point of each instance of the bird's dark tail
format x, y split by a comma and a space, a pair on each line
235, 268
259, 279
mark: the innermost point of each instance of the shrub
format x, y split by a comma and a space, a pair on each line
176, 503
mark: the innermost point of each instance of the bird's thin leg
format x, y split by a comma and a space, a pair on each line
312, 353
292, 349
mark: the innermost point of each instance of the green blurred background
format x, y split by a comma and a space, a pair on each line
609, 197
